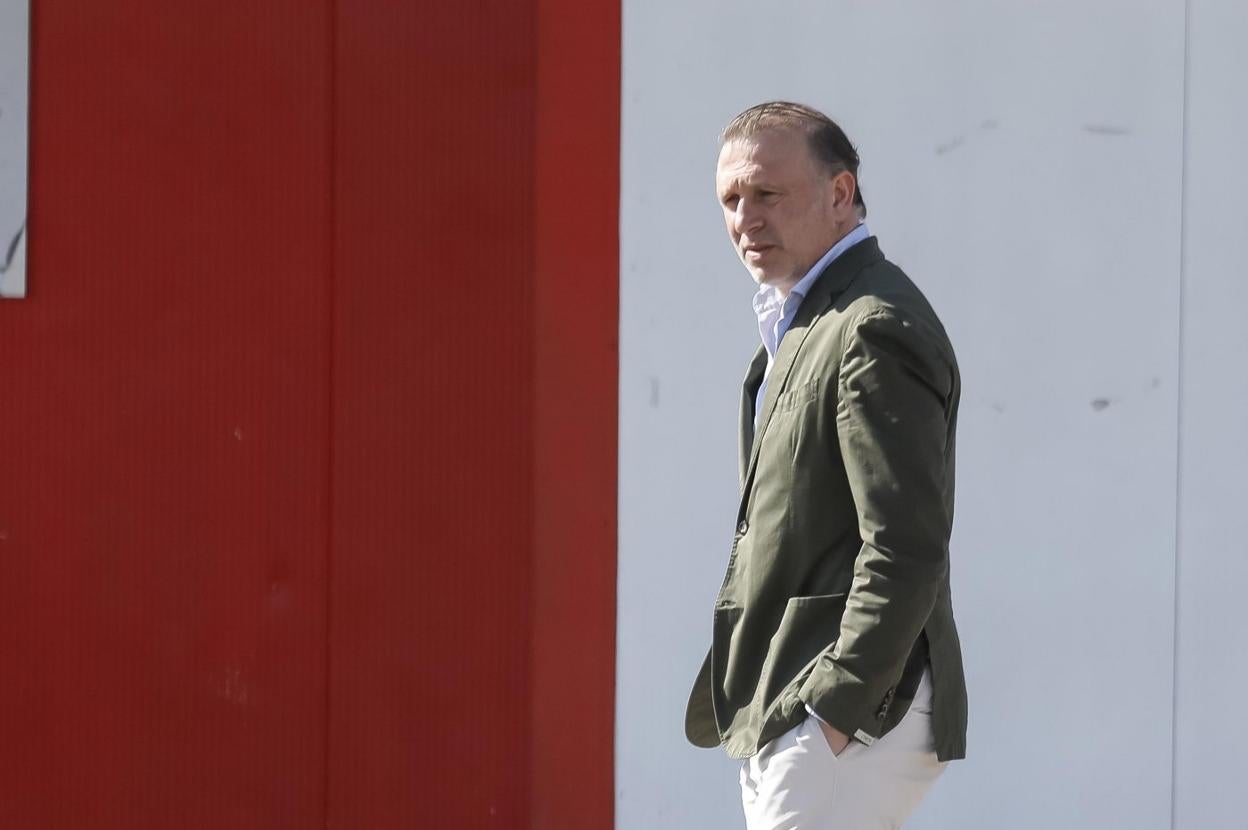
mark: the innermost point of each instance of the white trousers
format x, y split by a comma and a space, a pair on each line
796, 783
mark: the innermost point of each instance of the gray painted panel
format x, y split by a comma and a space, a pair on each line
1022, 162
1211, 729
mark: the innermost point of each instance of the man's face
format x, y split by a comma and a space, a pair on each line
782, 208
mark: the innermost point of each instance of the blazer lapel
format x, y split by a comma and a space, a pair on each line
749, 395
834, 280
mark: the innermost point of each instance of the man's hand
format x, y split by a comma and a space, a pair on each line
836, 739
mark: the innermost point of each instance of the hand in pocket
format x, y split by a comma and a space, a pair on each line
837, 740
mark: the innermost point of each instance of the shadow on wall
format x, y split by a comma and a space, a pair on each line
13, 265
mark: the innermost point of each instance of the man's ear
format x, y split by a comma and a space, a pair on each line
843, 189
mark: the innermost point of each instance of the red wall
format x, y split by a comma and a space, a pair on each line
308, 513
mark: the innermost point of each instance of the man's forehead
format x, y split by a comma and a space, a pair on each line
735, 165
765, 150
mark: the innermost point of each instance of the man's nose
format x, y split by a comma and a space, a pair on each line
747, 217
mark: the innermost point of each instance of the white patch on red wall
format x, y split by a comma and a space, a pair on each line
14, 105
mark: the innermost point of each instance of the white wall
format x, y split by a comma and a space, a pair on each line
1024, 162
1211, 727
14, 48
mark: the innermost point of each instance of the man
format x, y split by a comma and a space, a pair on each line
835, 671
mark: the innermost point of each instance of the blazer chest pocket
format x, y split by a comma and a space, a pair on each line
799, 396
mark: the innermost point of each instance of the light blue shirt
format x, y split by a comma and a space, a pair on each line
776, 313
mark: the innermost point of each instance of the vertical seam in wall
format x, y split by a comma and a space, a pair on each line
1178, 441
331, 259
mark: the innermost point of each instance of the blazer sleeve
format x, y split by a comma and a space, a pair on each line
895, 388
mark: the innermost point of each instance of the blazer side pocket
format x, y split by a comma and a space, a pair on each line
809, 626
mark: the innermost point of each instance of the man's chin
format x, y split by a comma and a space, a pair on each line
762, 276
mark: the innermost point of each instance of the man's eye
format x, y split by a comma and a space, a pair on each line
731, 201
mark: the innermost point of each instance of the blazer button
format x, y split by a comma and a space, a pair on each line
743, 527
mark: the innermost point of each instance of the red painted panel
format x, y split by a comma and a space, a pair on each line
473, 618
164, 426
576, 381
432, 513
309, 320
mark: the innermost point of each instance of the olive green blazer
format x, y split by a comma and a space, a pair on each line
837, 587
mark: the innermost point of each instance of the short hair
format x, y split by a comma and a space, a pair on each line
828, 143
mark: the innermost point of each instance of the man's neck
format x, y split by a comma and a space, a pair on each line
785, 286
